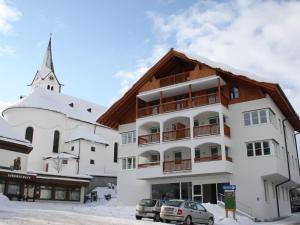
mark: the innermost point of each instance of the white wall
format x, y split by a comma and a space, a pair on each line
7, 159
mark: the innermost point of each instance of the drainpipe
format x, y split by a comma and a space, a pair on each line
78, 158
290, 192
288, 165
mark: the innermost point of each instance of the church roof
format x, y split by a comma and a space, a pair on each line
72, 107
9, 135
85, 134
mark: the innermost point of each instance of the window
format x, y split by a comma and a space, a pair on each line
272, 118
129, 137
154, 130
60, 193
196, 123
93, 148
128, 163
250, 150
116, 152
92, 162
277, 149
29, 134
155, 158
45, 192
48, 87
258, 148
64, 161
56, 141
72, 148
197, 153
266, 148
52, 88
74, 194
280, 127
234, 92
71, 104
89, 109
198, 193
259, 117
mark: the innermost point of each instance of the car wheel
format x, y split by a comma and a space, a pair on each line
138, 217
166, 221
210, 221
156, 218
188, 220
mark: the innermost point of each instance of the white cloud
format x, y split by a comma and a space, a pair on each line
257, 36
8, 14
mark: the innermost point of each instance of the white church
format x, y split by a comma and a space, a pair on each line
71, 151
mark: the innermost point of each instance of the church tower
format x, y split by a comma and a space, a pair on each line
45, 78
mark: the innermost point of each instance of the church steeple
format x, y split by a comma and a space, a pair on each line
45, 77
47, 65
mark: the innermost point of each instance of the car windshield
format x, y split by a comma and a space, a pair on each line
174, 203
147, 202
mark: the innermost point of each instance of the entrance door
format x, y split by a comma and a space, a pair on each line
209, 193
29, 191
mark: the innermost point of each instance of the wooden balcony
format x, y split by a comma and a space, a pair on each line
145, 165
176, 134
149, 139
174, 79
177, 165
208, 158
205, 130
227, 130
197, 101
212, 158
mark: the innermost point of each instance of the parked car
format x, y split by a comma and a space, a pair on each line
149, 208
186, 212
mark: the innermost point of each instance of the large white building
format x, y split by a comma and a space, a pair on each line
190, 126
66, 139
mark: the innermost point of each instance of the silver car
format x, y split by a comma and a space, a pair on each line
186, 212
149, 208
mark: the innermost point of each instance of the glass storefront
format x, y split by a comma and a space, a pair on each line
75, 194
45, 192
60, 193
13, 188
172, 191
2, 185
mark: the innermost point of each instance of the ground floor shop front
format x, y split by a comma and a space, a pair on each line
33, 187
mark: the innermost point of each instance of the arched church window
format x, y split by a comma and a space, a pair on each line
52, 88
29, 134
48, 87
56, 141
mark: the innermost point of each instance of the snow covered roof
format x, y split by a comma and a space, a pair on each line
62, 155
70, 106
86, 134
8, 134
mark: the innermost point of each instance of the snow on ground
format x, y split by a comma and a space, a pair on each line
99, 213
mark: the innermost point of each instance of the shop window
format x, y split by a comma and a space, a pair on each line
74, 194
60, 193
45, 192
56, 141
29, 134
198, 193
13, 189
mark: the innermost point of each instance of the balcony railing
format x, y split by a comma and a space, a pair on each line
181, 104
208, 158
149, 139
177, 165
175, 105
145, 165
174, 79
211, 158
176, 134
204, 130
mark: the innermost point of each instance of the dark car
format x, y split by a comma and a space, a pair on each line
149, 208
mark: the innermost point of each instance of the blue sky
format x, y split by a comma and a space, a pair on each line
100, 48
92, 41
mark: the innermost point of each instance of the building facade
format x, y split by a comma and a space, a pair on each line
190, 126
67, 141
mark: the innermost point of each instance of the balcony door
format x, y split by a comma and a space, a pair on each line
178, 157
214, 152
180, 130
